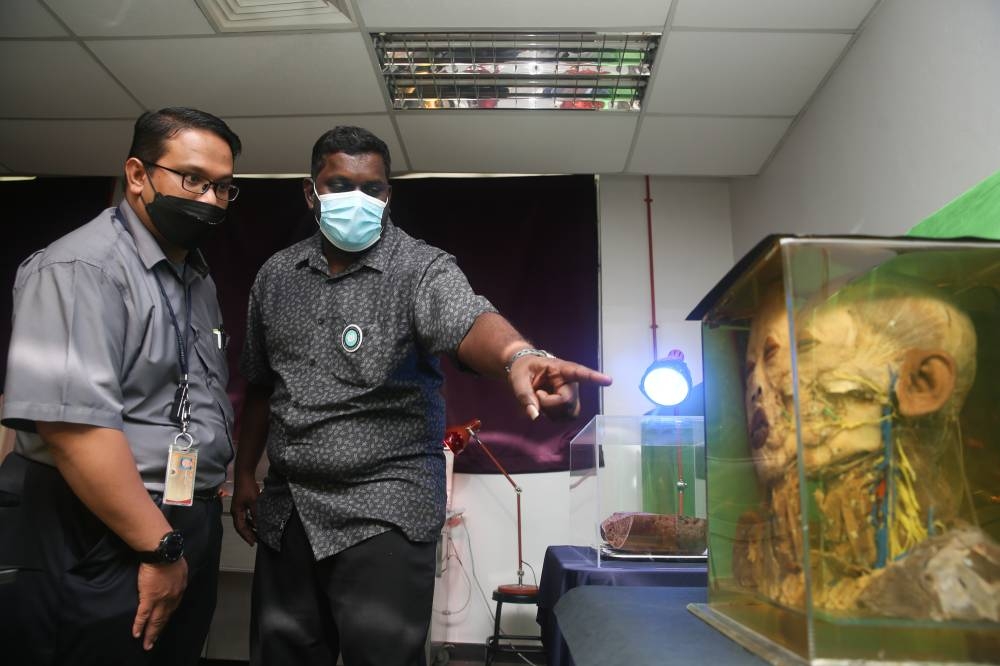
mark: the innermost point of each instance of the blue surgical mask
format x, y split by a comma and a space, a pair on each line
351, 221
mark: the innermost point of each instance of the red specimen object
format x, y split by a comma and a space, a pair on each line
654, 533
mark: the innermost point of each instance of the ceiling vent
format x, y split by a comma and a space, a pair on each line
274, 15
580, 70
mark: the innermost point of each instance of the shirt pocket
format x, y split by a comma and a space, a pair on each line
213, 364
359, 353
211, 356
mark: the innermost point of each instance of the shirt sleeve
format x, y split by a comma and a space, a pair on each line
446, 306
65, 358
254, 363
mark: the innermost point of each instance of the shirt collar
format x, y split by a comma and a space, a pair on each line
376, 258
150, 252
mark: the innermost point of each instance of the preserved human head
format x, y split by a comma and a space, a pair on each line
872, 351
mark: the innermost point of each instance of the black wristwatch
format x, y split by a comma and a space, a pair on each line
171, 549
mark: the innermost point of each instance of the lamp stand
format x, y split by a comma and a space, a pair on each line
456, 439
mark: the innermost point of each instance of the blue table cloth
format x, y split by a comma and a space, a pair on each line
643, 625
567, 567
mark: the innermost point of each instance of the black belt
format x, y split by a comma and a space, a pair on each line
207, 495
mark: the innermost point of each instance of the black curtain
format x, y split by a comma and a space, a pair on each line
528, 244
37, 212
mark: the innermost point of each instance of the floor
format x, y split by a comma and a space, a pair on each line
536, 659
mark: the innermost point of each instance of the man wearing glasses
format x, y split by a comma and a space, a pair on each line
344, 332
116, 385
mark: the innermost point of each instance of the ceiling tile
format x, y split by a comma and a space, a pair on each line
301, 74
58, 80
772, 14
27, 18
485, 15
48, 147
690, 146
284, 145
741, 73
517, 142
134, 18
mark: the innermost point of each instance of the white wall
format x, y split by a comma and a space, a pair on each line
692, 250
484, 551
907, 122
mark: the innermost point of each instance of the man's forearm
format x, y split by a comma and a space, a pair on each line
489, 345
100, 469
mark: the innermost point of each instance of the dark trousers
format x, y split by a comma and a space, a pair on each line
371, 602
73, 598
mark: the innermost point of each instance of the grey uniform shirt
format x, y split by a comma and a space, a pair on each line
92, 343
357, 414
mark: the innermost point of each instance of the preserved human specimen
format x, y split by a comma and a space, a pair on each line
882, 369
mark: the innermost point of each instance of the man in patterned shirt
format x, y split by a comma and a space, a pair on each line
343, 334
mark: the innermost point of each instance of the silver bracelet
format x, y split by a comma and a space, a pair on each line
526, 352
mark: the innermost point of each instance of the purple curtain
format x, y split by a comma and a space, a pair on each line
530, 246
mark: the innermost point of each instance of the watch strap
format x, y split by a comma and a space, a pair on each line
170, 549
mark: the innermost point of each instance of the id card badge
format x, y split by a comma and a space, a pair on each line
182, 467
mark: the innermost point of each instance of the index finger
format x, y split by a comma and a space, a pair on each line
574, 372
141, 617
157, 621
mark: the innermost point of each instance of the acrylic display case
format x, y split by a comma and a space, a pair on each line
637, 488
852, 415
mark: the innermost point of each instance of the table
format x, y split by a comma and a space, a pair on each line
643, 625
568, 567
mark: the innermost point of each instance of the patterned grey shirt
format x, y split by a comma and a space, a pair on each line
357, 413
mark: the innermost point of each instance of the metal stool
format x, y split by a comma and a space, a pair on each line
512, 594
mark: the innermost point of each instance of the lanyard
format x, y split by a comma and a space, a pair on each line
180, 410
182, 338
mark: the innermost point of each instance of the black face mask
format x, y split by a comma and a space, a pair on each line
183, 222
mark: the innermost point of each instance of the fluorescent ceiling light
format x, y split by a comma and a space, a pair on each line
503, 70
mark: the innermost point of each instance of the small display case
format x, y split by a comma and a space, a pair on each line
852, 415
637, 488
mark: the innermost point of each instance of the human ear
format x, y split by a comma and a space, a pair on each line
926, 381
135, 175
307, 190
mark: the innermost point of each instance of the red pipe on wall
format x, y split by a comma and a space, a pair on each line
652, 283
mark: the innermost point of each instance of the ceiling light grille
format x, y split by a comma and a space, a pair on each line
271, 15
580, 70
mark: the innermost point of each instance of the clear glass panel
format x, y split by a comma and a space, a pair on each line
853, 448
637, 488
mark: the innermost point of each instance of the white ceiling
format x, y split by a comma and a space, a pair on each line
729, 79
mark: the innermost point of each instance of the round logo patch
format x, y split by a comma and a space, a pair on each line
350, 339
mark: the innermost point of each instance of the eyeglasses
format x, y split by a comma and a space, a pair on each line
199, 184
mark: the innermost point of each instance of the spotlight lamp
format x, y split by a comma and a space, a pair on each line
667, 381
